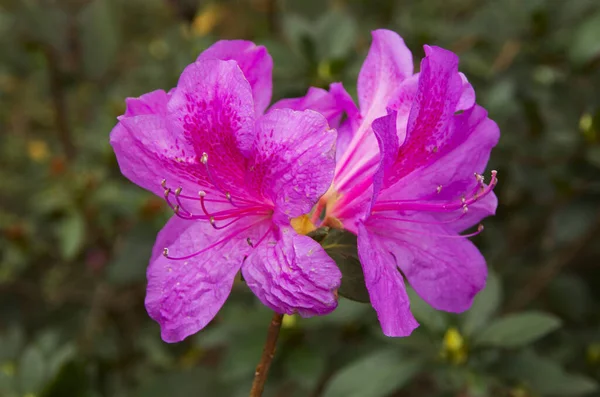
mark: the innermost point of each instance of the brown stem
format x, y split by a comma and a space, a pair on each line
262, 369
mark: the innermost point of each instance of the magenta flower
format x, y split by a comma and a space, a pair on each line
408, 204
234, 178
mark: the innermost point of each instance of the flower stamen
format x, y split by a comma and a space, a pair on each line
213, 180
223, 240
476, 194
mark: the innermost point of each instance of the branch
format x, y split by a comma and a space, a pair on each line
262, 369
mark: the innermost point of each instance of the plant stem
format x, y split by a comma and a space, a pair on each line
262, 369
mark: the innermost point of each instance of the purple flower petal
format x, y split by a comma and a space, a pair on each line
385, 284
212, 108
387, 138
451, 175
388, 63
403, 103
154, 102
255, 62
292, 160
430, 121
291, 273
481, 209
331, 104
148, 152
467, 99
316, 99
446, 270
183, 296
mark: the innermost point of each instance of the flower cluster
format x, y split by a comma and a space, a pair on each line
403, 171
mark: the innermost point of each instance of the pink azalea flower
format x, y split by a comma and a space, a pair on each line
408, 205
234, 178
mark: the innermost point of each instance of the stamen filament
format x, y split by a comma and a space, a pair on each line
214, 225
226, 238
204, 160
421, 233
408, 220
406, 205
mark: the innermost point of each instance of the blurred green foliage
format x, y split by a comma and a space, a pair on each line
76, 236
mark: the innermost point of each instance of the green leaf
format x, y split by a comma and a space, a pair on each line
341, 247
70, 381
99, 38
11, 342
72, 235
132, 255
299, 33
196, 382
375, 375
585, 44
305, 366
547, 377
346, 313
570, 296
518, 329
32, 370
337, 35
484, 306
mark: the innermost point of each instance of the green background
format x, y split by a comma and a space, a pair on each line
76, 236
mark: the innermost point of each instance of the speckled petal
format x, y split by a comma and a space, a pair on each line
291, 273
255, 62
293, 160
183, 296
213, 108
430, 124
453, 170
